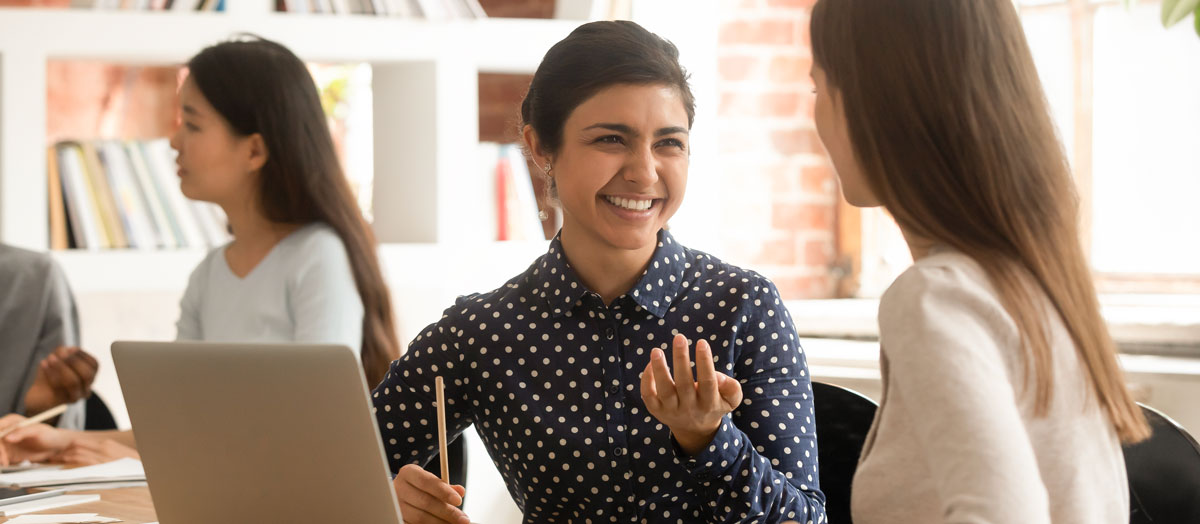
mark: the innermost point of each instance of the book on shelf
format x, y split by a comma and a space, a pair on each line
150, 5
114, 194
58, 212
427, 9
515, 214
593, 9
102, 195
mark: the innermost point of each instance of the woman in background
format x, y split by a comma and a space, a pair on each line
302, 265
1003, 399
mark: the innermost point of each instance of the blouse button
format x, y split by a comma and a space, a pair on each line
619, 452
614, 389
609, 333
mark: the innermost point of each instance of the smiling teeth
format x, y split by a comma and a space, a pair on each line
633, 205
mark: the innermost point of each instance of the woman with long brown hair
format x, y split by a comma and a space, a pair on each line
1003, 399
302, 266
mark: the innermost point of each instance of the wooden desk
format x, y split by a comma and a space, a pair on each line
132, 505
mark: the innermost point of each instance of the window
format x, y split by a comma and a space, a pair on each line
1122, 90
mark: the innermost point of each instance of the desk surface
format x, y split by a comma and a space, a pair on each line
132, 505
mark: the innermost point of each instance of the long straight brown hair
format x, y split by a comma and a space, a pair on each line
259, 86
953, 134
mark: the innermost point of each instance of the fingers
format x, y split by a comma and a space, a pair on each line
39, 438
84, 365
62, 377
26, 444
27, 432
10, 420
730, 390
415, 515
79, 456
706, 377
664, 386
431, 484
649, 391
685, 387
425, 498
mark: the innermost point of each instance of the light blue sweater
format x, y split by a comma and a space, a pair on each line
302, 291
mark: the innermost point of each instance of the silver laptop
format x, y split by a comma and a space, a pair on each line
255, 433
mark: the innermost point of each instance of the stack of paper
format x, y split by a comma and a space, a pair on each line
43, 504
26, 466
123, 470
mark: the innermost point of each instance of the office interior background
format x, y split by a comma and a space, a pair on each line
422, 103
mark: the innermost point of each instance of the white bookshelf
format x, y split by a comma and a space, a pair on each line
425, 102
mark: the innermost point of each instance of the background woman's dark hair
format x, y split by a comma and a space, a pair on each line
595, 56
259, 86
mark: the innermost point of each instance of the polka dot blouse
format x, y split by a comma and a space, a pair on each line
550, 378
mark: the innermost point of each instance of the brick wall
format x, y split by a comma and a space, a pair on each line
518, 8
101, 100
782, 194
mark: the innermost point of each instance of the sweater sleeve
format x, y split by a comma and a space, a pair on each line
943, 335
323, 298
189, 327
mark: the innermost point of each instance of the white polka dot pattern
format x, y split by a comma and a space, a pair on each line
549, 376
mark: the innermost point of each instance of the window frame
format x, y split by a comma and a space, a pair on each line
850, 239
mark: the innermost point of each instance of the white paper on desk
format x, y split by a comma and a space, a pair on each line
27, 466
56, 501
123, 470
73, 518
96, 486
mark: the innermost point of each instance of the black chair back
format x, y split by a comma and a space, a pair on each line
1164, 474
844, 418
97, 415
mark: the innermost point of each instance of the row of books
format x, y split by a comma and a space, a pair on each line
427, 9
151, 5
117, 194
514, 212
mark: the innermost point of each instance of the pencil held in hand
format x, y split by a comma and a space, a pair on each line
438, 386
56, 411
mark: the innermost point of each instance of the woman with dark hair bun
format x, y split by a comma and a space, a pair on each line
578, 373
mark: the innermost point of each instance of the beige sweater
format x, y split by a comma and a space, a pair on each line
955, 439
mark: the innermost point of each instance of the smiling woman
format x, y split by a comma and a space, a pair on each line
620, 175
578, 372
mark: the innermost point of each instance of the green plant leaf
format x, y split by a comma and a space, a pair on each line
1196, 19
1173, 11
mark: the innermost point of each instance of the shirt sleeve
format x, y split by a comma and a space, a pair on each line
943, 335
188, 326
60, 327
762, 464
323, 298
404, 401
